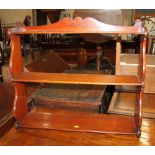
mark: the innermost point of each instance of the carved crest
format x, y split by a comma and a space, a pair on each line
78, 25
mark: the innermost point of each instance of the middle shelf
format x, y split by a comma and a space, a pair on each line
66, 78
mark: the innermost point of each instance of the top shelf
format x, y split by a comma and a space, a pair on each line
77, 26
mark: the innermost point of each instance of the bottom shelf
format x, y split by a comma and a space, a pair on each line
78, 121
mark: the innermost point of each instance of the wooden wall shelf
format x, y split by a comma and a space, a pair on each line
45, 118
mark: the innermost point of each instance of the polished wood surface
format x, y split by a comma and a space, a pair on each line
78, 25
16, 65
39, 137
142, 60
66, 78
101, 123
118, 55
20, 101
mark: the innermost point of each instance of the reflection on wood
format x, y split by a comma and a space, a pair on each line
100, 123
39, 137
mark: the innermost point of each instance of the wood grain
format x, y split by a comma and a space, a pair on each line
65, 78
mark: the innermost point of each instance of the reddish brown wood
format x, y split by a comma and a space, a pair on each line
41, 118
41, 137
141, 73
142, 59
16, 62
138, 111
67, 78
118, 55
109, 124
16, 67
20, 105
78, 25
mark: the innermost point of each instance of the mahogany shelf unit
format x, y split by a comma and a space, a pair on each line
77, 121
